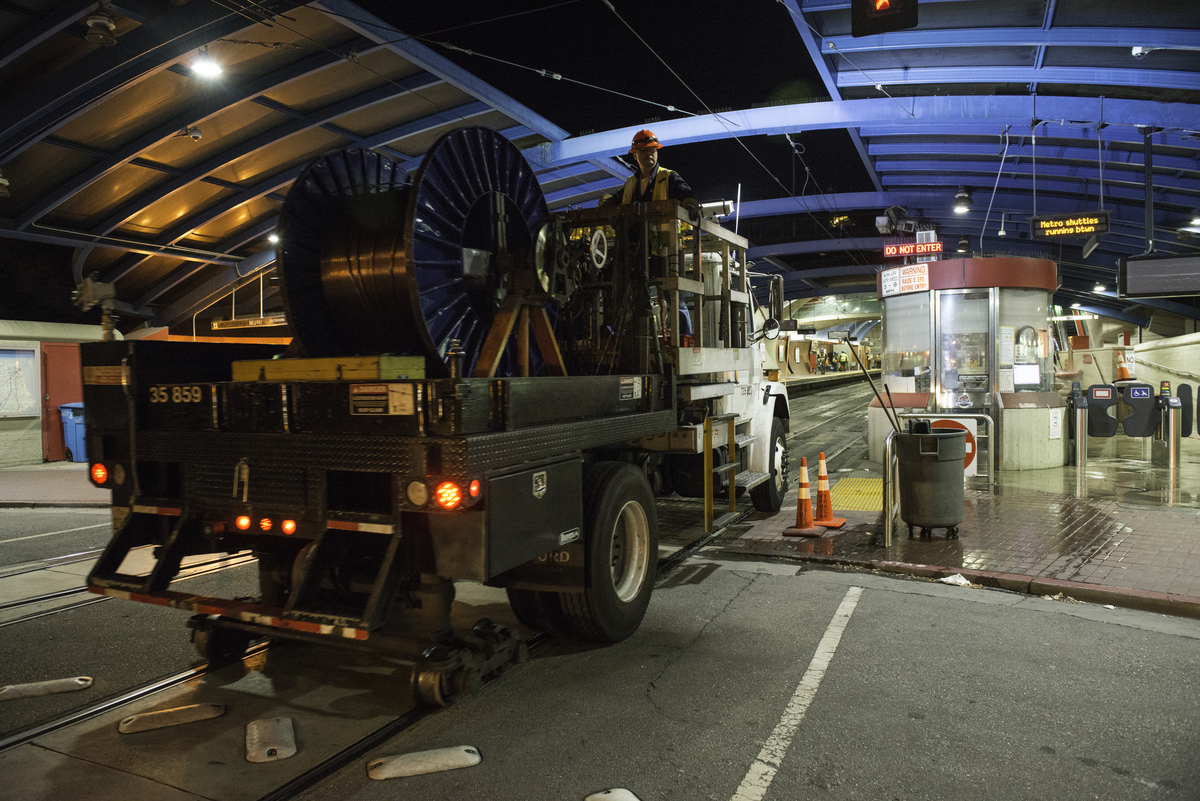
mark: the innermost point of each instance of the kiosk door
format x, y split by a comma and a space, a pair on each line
964, 351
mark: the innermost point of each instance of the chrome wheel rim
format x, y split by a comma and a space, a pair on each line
630, 551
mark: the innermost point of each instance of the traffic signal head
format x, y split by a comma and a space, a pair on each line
869, 17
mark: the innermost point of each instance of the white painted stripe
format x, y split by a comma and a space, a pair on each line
758, 779
52, 533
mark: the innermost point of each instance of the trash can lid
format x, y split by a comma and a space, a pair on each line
77, 405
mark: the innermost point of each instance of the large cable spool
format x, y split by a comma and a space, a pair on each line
373, 263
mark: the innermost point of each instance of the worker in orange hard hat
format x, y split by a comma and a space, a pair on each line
652, 182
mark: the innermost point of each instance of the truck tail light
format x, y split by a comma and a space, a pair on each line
288, 526
99, 473
242, 522
448, 494
265, 524
475, 488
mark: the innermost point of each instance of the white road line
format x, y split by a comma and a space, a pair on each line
758, 779
52, 533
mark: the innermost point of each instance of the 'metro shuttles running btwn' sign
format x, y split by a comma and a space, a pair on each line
1085, 224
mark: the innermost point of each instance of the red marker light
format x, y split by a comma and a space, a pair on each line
99, 473
882, 5
475, 488
448, 495
288, 526
243, 522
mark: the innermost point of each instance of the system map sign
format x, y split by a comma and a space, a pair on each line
18, 383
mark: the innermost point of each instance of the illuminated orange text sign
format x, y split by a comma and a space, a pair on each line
912, 249
1087, 224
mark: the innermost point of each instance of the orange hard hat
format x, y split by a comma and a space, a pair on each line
644, 140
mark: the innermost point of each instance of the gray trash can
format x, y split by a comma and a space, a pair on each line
931, 475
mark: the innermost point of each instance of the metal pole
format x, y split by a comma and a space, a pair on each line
879, 397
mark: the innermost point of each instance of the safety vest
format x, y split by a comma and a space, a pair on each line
661, 179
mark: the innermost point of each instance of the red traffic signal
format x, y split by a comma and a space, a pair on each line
870, 17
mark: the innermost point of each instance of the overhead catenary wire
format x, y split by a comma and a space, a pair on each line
992, 199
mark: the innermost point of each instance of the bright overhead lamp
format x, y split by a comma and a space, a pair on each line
962, 201
1098, 288
273, 238
205, 65
1074, 305
964, 245
1196, 217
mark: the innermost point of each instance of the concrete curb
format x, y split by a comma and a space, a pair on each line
1161, 603
54, 505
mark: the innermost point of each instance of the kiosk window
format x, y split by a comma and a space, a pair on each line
1027, 375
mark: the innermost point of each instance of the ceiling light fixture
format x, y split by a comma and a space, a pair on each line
273, 238
1074, 305
962, 201
1002, 232
1196, 217
964, 245
1098, 288
100, 29
205, 65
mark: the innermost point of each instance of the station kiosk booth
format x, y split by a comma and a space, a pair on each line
970, 337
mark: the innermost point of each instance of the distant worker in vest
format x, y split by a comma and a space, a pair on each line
652, 182
844, 360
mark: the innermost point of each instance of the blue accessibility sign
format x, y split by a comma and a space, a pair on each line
1139, 392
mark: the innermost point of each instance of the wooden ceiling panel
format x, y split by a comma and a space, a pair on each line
243, 216
418, 145
38, 171
220, 132
299, 149
142, 105
93, 204
342, 80
174, 209
402, 109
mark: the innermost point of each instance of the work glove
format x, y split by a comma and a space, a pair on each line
693, 209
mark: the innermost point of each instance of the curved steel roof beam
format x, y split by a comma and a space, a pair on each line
196, 114
63, 95
1116, 158
976, 173
214, 288
946, 115
913, 76
1172, 39
32, 35
361, 22
1058, 184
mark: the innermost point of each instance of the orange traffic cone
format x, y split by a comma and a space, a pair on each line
825, 501
1122, 370
804, 515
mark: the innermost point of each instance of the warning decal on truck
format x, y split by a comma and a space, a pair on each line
381, 399
631, 388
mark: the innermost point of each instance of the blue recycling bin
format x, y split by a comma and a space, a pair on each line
73, 431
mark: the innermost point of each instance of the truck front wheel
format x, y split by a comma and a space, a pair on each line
620, 554
768, 496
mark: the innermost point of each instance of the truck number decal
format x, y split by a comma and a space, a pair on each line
175, 394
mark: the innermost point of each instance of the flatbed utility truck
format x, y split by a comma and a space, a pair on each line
415, 433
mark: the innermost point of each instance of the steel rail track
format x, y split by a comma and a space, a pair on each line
193, 571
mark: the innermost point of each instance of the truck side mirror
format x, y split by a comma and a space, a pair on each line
770, 329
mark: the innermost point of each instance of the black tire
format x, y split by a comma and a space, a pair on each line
537, 610
70, 458
620, 554
220, 646
768, 496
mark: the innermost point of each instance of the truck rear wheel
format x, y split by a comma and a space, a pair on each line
620, 554
537, 610
768, 496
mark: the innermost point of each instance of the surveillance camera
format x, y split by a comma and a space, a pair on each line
195, 133
1139, 52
